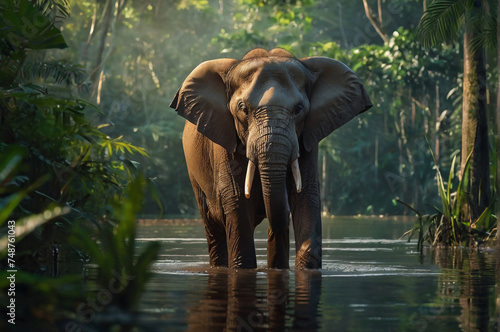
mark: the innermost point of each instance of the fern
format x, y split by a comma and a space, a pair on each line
60, 73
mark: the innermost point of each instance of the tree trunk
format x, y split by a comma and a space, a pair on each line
437, 115
498, 139
475, 125
324, 201
342, 31
112, 12
102, 42
376, 164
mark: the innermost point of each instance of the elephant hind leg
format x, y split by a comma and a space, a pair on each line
214, 230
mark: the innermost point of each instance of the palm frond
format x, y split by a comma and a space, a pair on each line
487, 39
487, 24
47, 7
442, 21
60, 73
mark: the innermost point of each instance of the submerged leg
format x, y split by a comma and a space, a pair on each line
306, 214
278, 249
214, 230
239, 235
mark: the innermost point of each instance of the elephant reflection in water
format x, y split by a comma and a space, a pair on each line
240, 300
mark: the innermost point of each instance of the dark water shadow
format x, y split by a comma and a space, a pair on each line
469, 279
258, 300
370, 281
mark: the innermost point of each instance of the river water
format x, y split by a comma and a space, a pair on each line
370, 281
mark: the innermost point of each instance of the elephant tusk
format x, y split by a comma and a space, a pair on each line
296, 175
249, 178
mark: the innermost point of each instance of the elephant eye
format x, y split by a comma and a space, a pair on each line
299, 108
242, 107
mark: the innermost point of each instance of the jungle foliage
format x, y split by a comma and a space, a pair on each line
84, 95
60, 174
140, 52
132, 56
467, 215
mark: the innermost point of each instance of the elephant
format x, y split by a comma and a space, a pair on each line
265, 113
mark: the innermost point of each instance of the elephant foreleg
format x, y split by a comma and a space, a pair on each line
240, 242
307, 230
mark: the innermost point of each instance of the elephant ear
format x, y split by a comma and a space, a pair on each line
202, 100
337, 96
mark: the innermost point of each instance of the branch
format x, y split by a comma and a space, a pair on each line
344, 38
379, 5
377, 23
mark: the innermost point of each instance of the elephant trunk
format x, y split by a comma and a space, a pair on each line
275, 197
274, 150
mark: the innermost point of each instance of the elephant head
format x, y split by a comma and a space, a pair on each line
274, 104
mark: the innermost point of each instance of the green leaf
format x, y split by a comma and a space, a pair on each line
27, 224
461, 194
51, 39
10, 162
450, 177
155, 194
442, 21
9, 203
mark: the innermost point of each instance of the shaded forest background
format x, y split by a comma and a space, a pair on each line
87, 135
137, 53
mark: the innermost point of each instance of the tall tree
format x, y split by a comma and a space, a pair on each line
442, 22
498, 136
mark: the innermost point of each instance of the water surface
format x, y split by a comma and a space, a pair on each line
370, 281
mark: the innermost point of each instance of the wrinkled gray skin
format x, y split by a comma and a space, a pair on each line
268, 109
